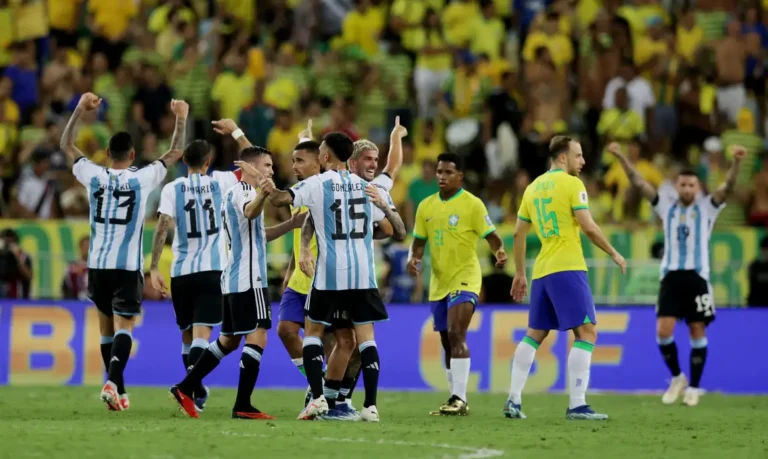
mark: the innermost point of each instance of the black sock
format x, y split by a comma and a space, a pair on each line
698, 359
249, 373
346, 385
194, 354
206, 364
121, 352
669, 354
106, 350
185, 358
369, 356
312, 352
354, 382
331, 391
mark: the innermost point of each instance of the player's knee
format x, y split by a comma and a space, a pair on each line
229, 342
697, 330
346, 343
287, 331
456, 336
664, 329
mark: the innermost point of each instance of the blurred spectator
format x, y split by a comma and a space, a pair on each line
433, 63
372, 100
281, 140
617, 181
110, 20
502, 124
549, 36
465, 91
58, 80
641, 97
620, 124
731, 61
233, 89
341, 121
758, 277
399, 285
37, 195
458, 18
15, 267
397, 68
256, 119
487, 32
63, 16
152, 99
690, 36
427, 143
362, 27
758, 211
496, 285
23, 75
643, 283
420, 189
74, 286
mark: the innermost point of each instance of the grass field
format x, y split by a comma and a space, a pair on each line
71, 422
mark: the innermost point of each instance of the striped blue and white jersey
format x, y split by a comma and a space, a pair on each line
194, 203
246, 266
118, 201
343, 217
686, 234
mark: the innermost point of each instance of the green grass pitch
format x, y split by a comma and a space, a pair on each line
70, 422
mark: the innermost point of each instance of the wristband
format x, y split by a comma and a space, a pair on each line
237, 133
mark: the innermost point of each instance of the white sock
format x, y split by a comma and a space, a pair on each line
460, 376
521, 367
450, 380
579, 361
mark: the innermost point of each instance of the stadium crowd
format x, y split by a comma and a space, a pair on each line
676, 83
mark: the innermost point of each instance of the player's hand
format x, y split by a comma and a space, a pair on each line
159, 283
375, 196
414, 266
620, 261
614, 148
250, 170
224, 126
519, 288
89, 101
739, 153
267, 185
306, 133
501, 258
307, 263
399, 130
180, 108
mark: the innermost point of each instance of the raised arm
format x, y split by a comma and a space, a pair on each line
87, 103
181, 110
395, 156
520, 282
593, 232
722, 192
634, 176
306, 133
158, 242
227, 126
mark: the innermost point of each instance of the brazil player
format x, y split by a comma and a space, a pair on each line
246, 308
556, 205
451, 222
685, 292
118, 199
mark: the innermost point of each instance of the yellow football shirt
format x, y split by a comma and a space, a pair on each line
549, 204
299, 282
452, 229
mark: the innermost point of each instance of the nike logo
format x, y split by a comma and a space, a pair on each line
115, 359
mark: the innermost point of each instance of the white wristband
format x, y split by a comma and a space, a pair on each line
237, 133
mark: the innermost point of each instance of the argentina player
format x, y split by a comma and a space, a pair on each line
118, 197
685, 292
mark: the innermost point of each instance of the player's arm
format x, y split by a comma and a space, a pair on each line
296, 221
720, 195
416, 252
253, 208
595, 234
289, 271
158, 243
484, 227
520, 282
395, 155
398, 227
306, 133
87, 103
227, 126
301, 195
181, 110
635, 178
306, 259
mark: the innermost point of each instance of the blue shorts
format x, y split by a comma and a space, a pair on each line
561, 301
292, 307
440, 308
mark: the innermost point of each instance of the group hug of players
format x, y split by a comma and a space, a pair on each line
219, 269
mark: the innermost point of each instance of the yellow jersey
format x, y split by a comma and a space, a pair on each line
549, 203
299, 282
452, 229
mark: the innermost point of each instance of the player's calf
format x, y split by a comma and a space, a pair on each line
250, 363
288, 332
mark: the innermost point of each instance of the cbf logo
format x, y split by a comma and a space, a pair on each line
453, 221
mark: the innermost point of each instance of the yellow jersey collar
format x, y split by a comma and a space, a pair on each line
461, 190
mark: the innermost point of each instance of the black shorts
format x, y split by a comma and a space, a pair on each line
244, 312
345, 308
197, 299
116, 291
686, 296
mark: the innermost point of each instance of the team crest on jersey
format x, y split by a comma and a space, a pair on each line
453, 221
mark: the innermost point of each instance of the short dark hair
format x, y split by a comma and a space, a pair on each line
451, 158
559, 144
309, 145
8, 233
120, 145
197, 153
688, 172
254, 152
340, 144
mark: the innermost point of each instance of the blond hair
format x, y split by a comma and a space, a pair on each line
361, 146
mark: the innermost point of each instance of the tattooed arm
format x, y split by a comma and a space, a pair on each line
181, 110
226, 127
158, 242
306, 259
726, 188
87, 103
